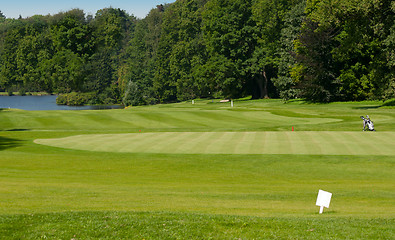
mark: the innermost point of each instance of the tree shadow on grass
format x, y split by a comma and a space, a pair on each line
368, 107
6, 143
18, 130
388, 103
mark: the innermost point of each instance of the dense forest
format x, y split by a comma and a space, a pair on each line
320, 50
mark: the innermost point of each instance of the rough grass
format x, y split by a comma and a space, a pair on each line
165, 225
64, 193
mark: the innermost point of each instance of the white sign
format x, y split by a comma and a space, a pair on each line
323, 200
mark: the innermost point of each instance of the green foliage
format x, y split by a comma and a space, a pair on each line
269, 52
318, 81
180, 49
113, 28
229, 34
65, 52
135, 95
320, 50
288, 76
139, 71
22, 91
70, 31
341, 47
74, 99
132, 96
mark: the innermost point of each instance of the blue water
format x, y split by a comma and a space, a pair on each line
47, 102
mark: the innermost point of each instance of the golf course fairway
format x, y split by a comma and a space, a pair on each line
316, 143
202, 171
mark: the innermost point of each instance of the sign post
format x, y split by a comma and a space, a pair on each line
323, 200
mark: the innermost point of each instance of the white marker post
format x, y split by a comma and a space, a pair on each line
193, 101
231, 103
323, 200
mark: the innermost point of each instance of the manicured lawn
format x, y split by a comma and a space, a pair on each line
269, 142
202, 171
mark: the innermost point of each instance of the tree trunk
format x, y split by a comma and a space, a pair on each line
259, 91
264, 93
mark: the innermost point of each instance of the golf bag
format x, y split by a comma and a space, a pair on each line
367, 124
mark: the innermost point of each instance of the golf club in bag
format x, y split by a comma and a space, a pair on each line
367, 124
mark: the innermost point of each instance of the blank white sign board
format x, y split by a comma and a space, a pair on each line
323, 199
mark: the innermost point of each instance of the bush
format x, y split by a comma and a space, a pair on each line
61, 99
133, 96
74, 99
22, 91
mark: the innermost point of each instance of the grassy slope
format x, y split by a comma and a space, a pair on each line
186, 192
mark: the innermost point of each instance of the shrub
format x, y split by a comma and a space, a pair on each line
74, 99
22, 91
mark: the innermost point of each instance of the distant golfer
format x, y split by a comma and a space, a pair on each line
367, 124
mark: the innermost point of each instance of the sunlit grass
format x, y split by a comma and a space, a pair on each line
306, 142
181, 174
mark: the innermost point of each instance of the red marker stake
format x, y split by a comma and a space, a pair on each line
292, 129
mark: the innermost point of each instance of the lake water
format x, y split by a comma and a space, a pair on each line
47, 102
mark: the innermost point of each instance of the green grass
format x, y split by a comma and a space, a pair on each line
164, 225
174, 180
306, 142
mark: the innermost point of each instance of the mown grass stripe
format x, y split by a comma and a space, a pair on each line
291, 141
272, 142
230, 142
323, 143
259, 143
327, 143
175, 142
156, 141
357, 147
299, 144
244, 143
145, 140
386, 139
197, 141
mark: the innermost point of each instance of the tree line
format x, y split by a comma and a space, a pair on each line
320, 50
66, 52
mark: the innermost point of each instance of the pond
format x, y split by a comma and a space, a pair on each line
46, 102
